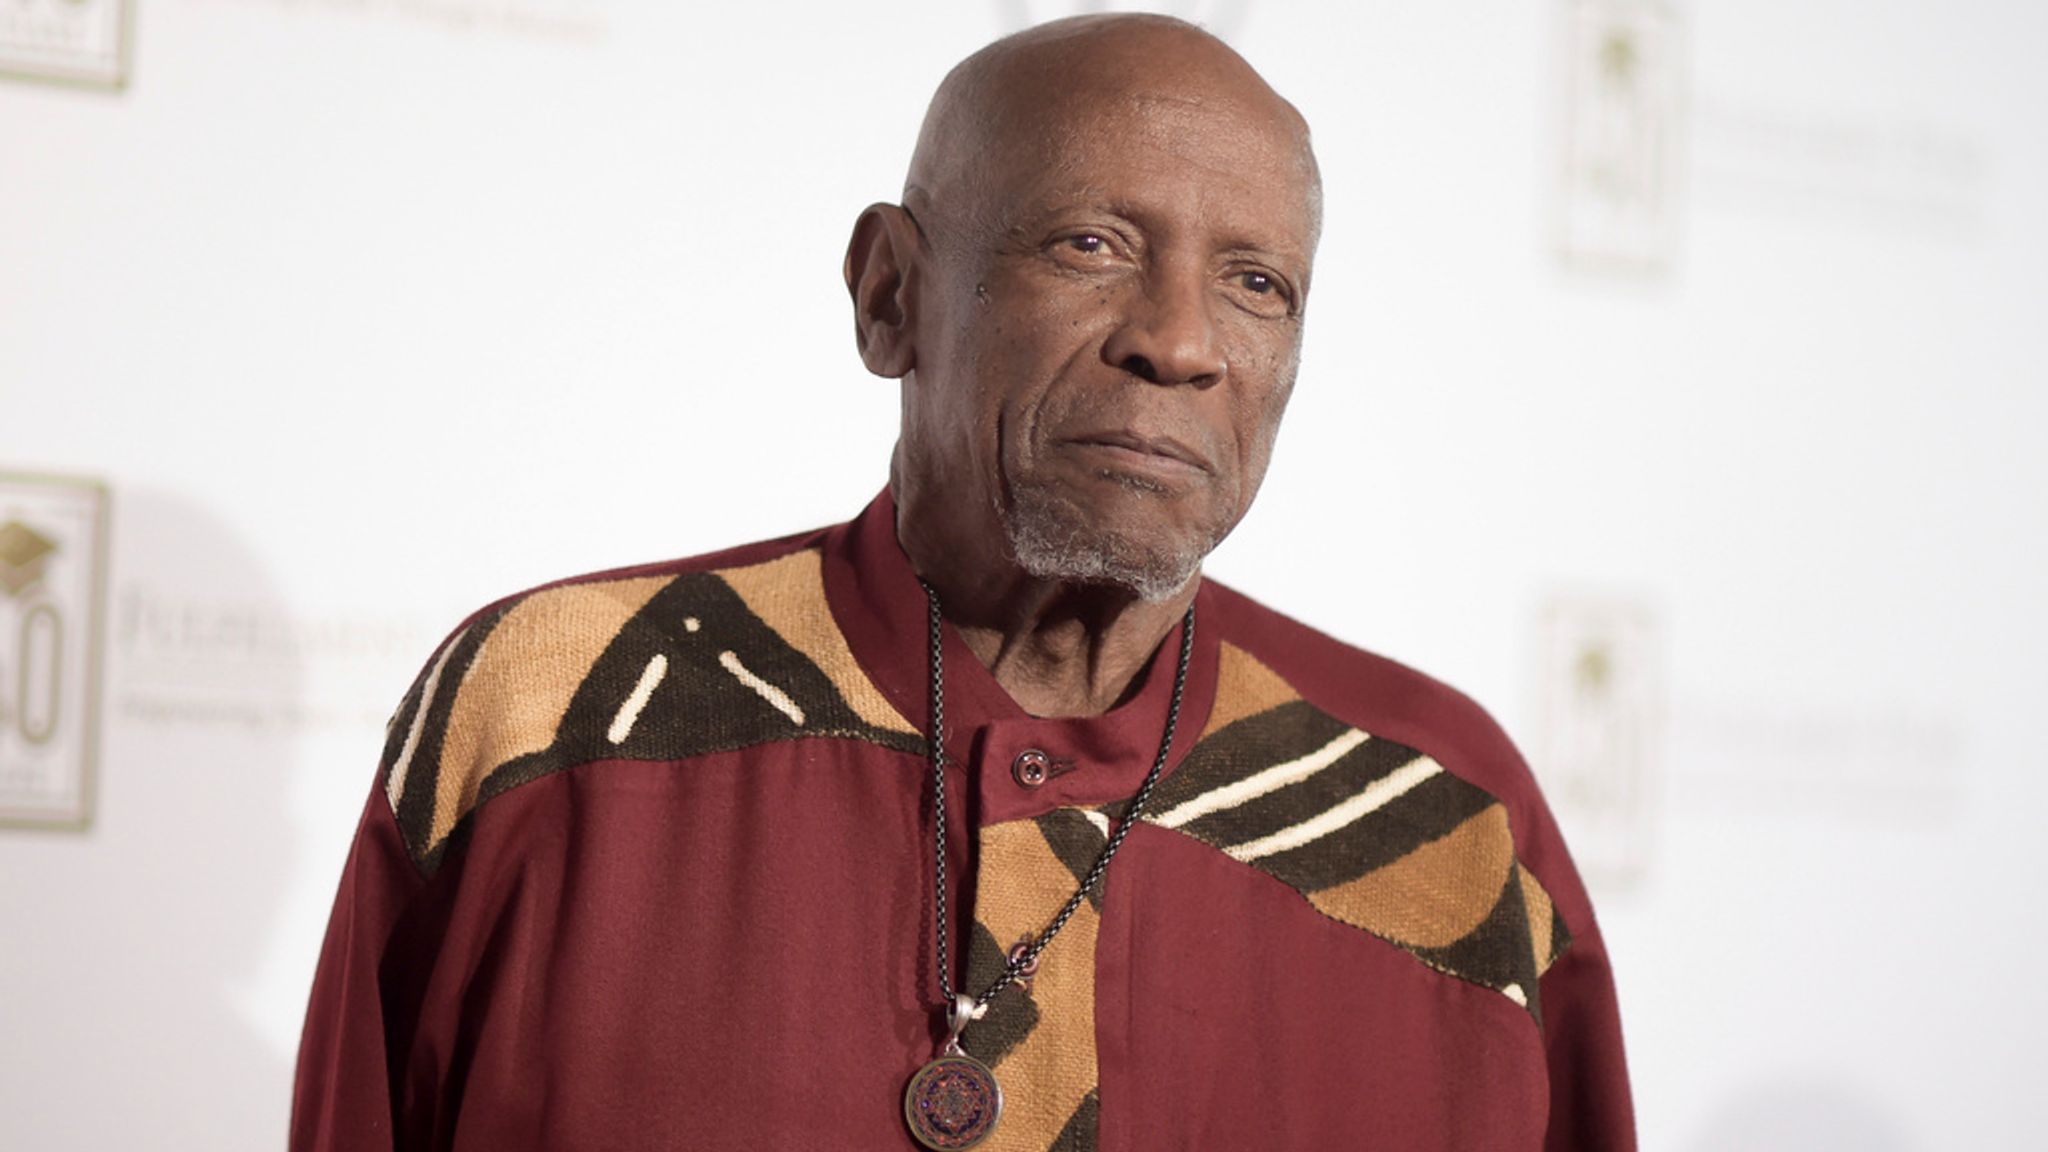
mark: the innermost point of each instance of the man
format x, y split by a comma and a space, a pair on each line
663, 858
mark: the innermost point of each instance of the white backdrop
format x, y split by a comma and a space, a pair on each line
369, 311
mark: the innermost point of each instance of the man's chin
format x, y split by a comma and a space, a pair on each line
1053, 539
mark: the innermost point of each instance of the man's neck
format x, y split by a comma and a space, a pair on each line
1063, 650
1058, 648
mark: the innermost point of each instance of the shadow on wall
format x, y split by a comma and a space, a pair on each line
1804, 1117
129, 944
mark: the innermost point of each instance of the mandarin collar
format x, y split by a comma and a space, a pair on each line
880, 607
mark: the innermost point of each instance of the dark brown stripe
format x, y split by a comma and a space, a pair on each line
1560, 938
1495, 954
415, 811
1283, 808
1249, 746
1078, 1135
1076, 843
1011, 1015
1425, 812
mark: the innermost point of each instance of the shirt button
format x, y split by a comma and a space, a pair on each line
1031, 767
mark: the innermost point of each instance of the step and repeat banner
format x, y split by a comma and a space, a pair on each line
1672, 385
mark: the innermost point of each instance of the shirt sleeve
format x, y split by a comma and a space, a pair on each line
342, 1095
1590, 1108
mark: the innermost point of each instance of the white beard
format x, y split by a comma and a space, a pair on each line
1052, 540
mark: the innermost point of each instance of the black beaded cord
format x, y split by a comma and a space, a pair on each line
1023, 960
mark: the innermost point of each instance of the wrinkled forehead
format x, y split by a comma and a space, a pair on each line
1120, 140
1106, 116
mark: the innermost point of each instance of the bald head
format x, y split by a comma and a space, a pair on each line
1012, 107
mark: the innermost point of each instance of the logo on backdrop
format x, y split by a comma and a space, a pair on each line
1624, 93
75, 41
1600, 732
52, 580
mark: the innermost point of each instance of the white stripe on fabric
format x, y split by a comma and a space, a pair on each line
1262, 782
395, 787
764, 689
1376, 795
629, 712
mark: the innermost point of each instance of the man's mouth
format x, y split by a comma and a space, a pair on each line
1126, 449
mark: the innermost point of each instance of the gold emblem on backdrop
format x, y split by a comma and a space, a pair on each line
1624, 92
52, 594
1599, 736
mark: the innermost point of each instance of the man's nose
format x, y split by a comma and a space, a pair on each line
1170, 335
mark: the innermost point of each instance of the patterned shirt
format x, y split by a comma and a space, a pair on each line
648, 864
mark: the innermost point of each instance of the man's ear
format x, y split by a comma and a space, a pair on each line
882, 273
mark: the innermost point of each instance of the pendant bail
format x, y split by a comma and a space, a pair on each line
962, 1012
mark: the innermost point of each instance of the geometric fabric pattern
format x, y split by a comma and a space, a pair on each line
657, 667
1373, 833
1039, 1032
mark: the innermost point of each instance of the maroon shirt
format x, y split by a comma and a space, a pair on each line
648, 865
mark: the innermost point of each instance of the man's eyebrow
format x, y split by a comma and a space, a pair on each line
1051, 207
1252, 247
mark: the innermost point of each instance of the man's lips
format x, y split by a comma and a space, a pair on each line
1151, 452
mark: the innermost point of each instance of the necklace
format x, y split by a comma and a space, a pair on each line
953, 1102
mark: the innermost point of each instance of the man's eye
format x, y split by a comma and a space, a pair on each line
1262, 293
1087, 243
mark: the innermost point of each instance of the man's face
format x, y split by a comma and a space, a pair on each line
1111, 330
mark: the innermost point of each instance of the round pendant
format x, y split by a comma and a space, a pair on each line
952, 1102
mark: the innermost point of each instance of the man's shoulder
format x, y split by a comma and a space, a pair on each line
1390, 800
595, 668
1375, 694
621, 583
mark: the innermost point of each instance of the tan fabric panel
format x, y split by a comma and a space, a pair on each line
1436, 895
518, 688
1537, 901
788, 594
1244, 687
1022, 886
